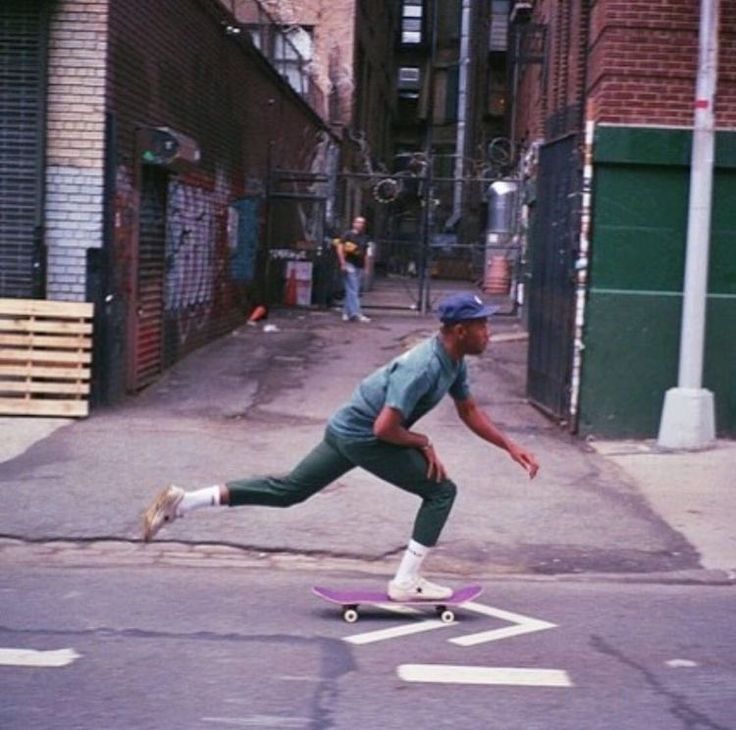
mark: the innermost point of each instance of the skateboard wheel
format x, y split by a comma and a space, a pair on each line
350, 615
446, 616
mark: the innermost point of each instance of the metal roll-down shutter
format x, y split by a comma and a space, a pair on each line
23, 39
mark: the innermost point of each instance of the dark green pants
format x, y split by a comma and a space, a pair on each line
401, 466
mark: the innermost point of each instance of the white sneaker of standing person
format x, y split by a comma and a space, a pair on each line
174, 502
363, 318
418, 589
408, 585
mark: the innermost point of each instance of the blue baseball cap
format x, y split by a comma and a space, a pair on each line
462, 306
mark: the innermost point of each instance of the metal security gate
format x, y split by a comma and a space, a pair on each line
552, 287
148, 359
23, 33
296, 205
428, 228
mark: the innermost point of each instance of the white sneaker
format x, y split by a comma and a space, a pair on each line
420, 589
345, 318
363, 318
163, 509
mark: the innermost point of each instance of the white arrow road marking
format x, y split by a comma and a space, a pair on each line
398, 631
394, 633
522, 625
398, 608
33, 658
517, 676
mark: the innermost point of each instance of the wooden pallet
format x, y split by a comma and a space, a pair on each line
45, 357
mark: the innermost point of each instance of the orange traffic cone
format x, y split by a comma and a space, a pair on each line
258, 313
290, 290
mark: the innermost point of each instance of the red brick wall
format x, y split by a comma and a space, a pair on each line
637, 60
172, 64
549, 96
644, 60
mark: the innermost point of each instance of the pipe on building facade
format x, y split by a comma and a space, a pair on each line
582, 265
462, 114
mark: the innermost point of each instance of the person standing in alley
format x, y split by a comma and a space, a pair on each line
375, 430
352, 248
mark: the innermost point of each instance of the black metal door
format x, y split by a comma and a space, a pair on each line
552, 288
151, 273
22, 93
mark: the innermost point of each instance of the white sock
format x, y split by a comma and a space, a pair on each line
411, 562
199, 498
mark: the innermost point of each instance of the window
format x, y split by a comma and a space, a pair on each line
410, 79
255, 35
499, 25
292, 51
412, 12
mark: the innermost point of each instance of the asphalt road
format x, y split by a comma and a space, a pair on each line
184, 647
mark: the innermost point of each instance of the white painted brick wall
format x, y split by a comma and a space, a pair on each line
75, 142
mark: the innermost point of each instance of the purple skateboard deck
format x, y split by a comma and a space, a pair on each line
350, 600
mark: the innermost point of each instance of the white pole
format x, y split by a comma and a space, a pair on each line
688, 419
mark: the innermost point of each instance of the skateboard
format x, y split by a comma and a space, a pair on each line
351, 600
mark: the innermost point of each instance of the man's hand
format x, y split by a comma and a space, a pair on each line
525, 458
435, 468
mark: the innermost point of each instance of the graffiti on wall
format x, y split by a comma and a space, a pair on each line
190, 242
196, 256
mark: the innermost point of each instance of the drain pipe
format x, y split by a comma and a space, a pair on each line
582, 265
462, 113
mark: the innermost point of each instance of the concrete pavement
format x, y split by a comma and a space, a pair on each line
693, 491
254, 402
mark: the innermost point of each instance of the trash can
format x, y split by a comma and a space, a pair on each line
298, 283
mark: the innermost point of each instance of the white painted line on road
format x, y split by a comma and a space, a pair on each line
522, 625
397, 608
516, 676
33, 658
679, 663
261, 721
395, 632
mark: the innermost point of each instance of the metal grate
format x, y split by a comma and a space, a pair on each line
22, 90
151, 272
552, 287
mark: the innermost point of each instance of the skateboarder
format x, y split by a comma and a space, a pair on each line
374, 430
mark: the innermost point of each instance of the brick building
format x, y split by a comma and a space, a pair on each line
339, 55
136, 145
451, 94
603, 113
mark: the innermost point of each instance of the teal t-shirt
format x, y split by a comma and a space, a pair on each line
412, 383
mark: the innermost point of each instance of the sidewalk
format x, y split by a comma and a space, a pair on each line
254, 402
694, 492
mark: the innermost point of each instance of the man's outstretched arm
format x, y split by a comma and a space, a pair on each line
479, 423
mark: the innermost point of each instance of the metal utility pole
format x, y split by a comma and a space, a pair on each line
688, 415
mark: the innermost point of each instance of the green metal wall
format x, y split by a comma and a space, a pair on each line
632, 332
